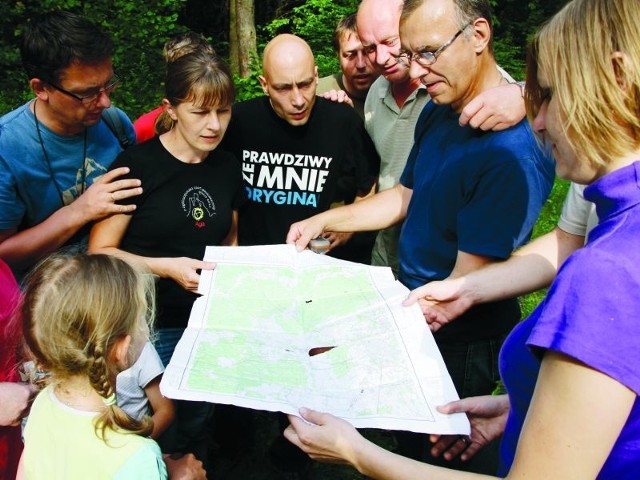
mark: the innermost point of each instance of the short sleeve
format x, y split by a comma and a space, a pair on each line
151, 365
578, 215
12, 209
146, 463
590, 314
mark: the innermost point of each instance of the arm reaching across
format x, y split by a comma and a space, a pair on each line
530, 268
372, 213
107, 235
329, 439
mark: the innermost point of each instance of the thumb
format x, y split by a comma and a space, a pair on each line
312, 416
208, 265
457, 406
415, 295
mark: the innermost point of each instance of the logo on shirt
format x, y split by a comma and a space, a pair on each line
90, 171
198, 204
284, 178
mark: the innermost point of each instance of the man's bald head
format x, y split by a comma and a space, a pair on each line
284, 51
289, 78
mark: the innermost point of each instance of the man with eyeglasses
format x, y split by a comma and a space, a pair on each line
395, 101
466, 198
55, 149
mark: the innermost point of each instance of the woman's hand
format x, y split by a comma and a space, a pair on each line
184, 271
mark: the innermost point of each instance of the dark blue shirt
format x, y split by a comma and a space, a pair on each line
473, 191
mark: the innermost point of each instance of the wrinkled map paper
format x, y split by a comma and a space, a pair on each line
278, 330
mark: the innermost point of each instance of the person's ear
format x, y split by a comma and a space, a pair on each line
39, 89
621, 64
263, 84
169, 109
481, 34
120, 352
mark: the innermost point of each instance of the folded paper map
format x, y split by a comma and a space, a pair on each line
277, 330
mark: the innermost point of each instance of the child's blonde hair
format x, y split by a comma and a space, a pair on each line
74, 309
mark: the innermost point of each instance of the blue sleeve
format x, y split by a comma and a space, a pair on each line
12, 208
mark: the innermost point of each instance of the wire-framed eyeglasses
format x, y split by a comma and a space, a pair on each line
427, 58
91, 98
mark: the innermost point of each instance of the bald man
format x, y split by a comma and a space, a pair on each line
299, 152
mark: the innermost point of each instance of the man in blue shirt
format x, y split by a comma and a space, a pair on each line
467, 197
56, 148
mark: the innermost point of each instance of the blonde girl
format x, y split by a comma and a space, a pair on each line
85, 318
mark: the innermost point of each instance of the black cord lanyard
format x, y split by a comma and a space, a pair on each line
48, 161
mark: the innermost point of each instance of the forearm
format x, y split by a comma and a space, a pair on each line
161, 421
530, 268
24, 248
378, 463
371, 213
152, 264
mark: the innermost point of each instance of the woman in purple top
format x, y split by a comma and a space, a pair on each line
572, 369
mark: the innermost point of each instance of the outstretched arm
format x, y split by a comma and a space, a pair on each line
530, 268
329, 439
374, 213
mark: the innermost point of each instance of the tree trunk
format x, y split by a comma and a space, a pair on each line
242, 36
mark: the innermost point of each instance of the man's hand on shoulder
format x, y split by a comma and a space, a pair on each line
495, 109
337, 96
100, 199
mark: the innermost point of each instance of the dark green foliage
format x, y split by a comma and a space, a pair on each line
514, 22
315, 21
140, 28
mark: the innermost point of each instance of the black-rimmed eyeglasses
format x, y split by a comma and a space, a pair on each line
427, 58
91, 98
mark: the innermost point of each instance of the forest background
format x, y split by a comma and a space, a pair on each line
239, 29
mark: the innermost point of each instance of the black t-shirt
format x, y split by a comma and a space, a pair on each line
294, 172
183, 208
